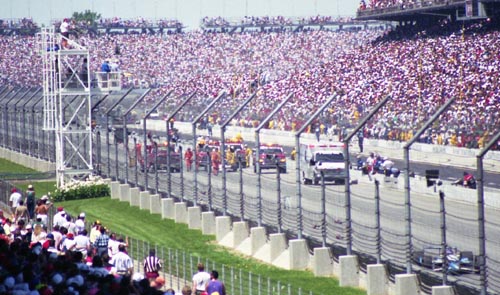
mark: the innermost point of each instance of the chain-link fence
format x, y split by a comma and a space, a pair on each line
377, 225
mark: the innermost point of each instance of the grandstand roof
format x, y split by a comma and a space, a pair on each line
437, 9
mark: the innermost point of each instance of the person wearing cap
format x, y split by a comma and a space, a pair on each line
60, 217
69, 243
15, 197
95, 231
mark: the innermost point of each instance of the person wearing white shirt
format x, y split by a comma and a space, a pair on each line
15, 197
82, 243
200, 280
122, 263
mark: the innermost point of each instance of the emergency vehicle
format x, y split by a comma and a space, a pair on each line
206, 147
270, 156
326, 158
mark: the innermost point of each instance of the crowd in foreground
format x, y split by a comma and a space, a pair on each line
419, 69
68, 259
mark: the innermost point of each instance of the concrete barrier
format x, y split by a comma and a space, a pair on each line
222, 227
322, 263
208, 223
180, 212
238, 234
115, 190
376, 280
442, 290
349, 271
194, 217
299, 254
254, 242
155, 204
406, 284
167, 208
135, 200
124, 193
145, 202
258, 239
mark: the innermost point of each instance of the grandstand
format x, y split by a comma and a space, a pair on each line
427, 11
424, 67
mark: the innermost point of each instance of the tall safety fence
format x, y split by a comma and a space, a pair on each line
377, 213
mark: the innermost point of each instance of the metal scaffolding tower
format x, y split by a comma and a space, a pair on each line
67, 103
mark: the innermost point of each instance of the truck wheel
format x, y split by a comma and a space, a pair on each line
254, 169
283, 170
316, 181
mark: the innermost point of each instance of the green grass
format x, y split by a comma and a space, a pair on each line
22, 176
122, 218
8, 167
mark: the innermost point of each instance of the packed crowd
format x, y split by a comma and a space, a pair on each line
400, 4
23, 23
420, 72
273, 20
70, 256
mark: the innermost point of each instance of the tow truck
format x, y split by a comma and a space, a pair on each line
270, 156
316, 159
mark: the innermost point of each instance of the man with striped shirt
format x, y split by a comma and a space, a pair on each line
152, 265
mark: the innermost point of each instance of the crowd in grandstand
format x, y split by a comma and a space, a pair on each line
420, 72
273, 21
23, 23
401, 4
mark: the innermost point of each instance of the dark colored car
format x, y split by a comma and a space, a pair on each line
270, 156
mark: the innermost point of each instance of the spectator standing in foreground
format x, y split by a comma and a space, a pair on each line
200, 280
101, 242
214, 286
21, 212
15, 197
30, 200
152, 265
122, 262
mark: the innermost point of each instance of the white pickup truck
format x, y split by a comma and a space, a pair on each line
326, 158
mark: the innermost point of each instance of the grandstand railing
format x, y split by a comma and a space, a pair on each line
108, 81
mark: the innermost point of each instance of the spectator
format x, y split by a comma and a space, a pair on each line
152, 265
82, 243
200, 280
64, 28
122, 263
15, 197
214, 286
21, 213
42, 209
30, 201
101, 242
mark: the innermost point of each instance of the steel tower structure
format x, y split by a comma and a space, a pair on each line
67, 103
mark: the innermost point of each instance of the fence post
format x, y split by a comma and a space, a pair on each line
323, 209
377, 219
